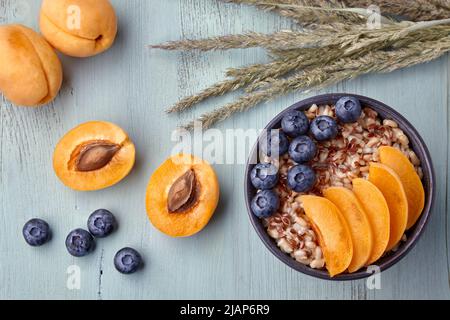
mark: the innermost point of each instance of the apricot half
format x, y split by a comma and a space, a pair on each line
79, 28
95, 155
182, 195
357, 221
332, 231
30, 71
377, 210
388, 182
412, 184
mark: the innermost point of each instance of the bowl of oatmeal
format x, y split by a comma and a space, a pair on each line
339, 186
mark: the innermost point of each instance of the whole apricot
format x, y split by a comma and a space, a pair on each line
79, 28
30, 71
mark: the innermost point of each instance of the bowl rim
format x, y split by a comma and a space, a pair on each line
428, 181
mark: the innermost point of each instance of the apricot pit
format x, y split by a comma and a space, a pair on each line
183, 194
93, 156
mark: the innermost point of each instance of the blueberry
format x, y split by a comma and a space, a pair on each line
127, 260
295, 123
301, 178
36, 232
264, 176
324, 128
79, 243
101, 223
265, 203
348, 109
274, 143
302, 149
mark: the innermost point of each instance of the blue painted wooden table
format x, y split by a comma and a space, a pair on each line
131, 86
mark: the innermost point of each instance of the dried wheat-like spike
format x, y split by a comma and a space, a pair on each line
336, 49
309, 12
239, 41
417, 10
252, 76
442, 4
288, 40
215, 90
319, 77
323, 48
282, 40
242, 77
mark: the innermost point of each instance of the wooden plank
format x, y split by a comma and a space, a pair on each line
131, 86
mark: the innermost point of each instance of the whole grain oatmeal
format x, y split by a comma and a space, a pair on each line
336, 164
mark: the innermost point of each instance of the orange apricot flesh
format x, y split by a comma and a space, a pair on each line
390, 185
377, 210
358, 223
412, 184
182, 195
332, 231
94, 155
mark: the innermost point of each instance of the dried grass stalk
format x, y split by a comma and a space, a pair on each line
319, 78
306, 12
318, 57
416, 10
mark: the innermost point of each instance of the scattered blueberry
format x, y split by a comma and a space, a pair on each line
265, 203
295, 123
36, 232
302, 149
79, 243
348, 109
301, 178
101, 223
324, 128
275, 143
127, 260
264, 176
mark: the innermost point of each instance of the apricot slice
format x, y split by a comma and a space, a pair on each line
182, 195
95, 155
358, 223
388, 182
412, 184
377, 210
332, 231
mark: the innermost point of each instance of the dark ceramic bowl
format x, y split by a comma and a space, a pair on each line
412, 234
